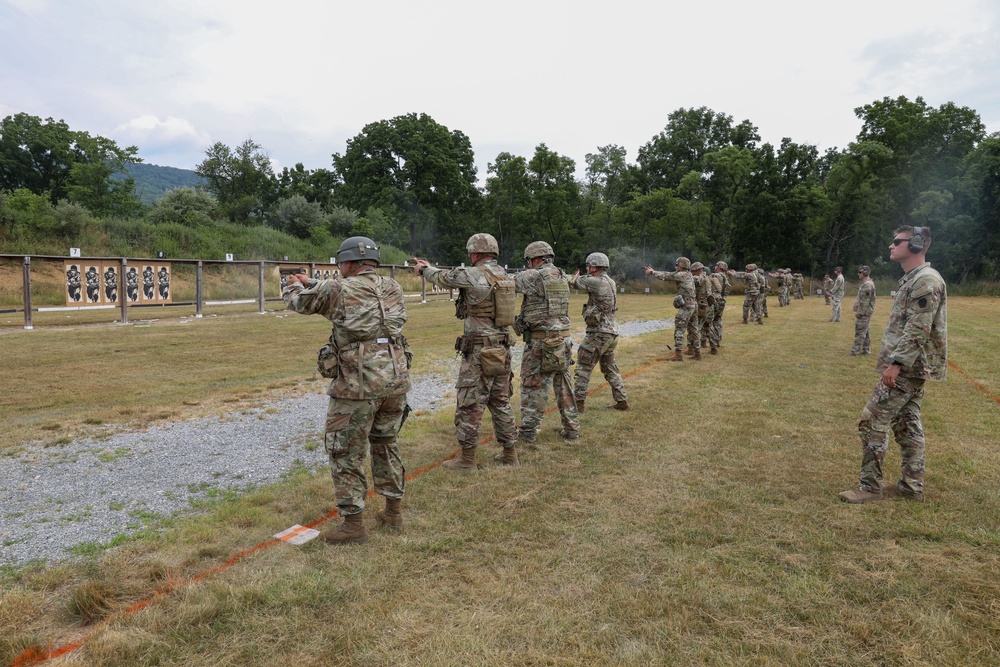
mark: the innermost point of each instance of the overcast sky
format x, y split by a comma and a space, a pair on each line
301, 77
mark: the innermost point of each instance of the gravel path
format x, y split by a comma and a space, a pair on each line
91, 491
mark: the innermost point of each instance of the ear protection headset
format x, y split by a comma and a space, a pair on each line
916, 242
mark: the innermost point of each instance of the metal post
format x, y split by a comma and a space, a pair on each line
392, 271
27, 293
197, 291
260, 288
123, 291
423, 289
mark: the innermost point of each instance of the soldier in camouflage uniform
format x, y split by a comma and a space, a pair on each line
750, 298
765, 289
798, 281
486, 303
705, 311
685, 302
548, 348
827, 286
708, 332
837, 294
864, 306
914, 349
601, 339
722, 275
367, 360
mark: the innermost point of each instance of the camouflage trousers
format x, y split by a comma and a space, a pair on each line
897, 408
826, 295
862, 335
835, 313
708, 333
751, 309
798, 293
686, 321
536, 384
598, 348
762, 304
720, 308
352, 429
783, 296
475, 393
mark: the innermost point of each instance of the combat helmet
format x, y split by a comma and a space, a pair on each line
358, 248
683, 262
598, 259
538, 249
751, 267
722, 265
697, 266
483, 244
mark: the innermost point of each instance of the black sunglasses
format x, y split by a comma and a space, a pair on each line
898, 241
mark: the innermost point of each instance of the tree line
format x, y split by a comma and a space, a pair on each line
705, 186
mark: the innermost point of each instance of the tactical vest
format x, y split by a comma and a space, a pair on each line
598, 305
367, 339
539, 311
501, 303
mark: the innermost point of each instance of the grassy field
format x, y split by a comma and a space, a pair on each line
702, 528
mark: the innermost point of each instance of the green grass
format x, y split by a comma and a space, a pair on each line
701, 528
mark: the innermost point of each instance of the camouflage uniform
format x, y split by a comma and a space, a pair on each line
751, 313
837, 294
476, 391
601, 339
720, 305
703, 295
708, 323
686, 313
765, 287
798, 281
368, 355
548, 348
864, 306
916, 339
827, 286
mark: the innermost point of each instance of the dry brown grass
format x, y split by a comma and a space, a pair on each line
702, 528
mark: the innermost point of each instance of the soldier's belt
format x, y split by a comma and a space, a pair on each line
539, 334
375, 341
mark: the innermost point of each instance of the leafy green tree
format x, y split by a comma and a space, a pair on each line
186, 206
241, 179
316, 185
340, 220
507, 205
48, 158
420, 169
555, 195
297, 216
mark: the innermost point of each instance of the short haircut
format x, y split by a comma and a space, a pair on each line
925, 232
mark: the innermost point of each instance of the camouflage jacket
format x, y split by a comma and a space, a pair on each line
838, 288
702, 290
475, 289
865, 303
762, 281
917, 333
545, 306
368, 313
726, 284
827, 285
752, 280
685, 284
602, 301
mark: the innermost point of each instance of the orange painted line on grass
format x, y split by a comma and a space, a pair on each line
35, 656
980, 387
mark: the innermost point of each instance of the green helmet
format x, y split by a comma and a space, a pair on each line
482, 243
538, 249
722, 265
683, 262
358, 248
697, 266
598, 259
751, 267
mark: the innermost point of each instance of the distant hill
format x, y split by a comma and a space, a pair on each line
153, 181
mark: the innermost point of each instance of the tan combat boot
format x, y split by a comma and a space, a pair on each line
677, 356
351, 531
507, 457
392, 517
715, 350
689, 351
465, 461
697, 354
579, 406
620, 405
859, 495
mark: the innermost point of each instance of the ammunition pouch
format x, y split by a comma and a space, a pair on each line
328, 360
555, 354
